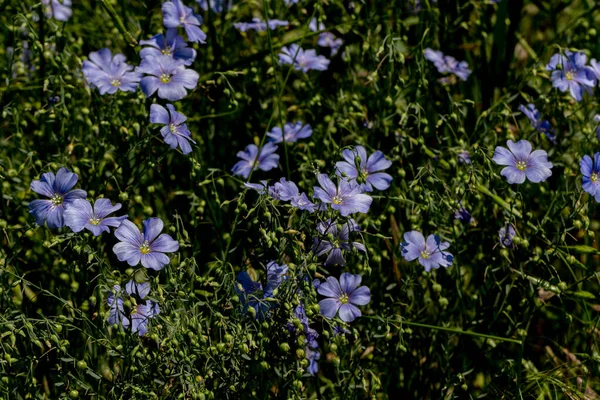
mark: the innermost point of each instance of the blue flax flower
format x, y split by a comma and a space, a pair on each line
447, 64
59, 9
250, 294
258, 25
521, 163
175, 14
574, 75
109, 74
302, 60
540, 125
506, 235
147, 246
346, 197
171, 45
464, 157
139, 315
430, 253
175, 132
366, 171
463, 215
81, 215
58, 190
590, 168
139, 289
169, 76
252, 159
344, 296
312, 356
288, 191
217, 6
291, 132
334, 240
326, 39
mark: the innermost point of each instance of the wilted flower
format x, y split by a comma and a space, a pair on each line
175, 132
266, 160
521, 163
109, 74
447, 64
346, 197
81, 215
506, 235
542, 126
291, 132
303, 60
147, 247
176, 14
335, 240
366, 171
168, 76
58, 190
140, 315
430, 253
59, 9
573, 74
171, 45
590, 169
344, 296
258, 25
463, 215
249, 291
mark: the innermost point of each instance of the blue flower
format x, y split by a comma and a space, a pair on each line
340, 330
334, 240
81, 215
464, 157
216, 6
542, 126
59, 9
344, 296
597, 121
116, 312
171, 45
139, 289
175, 14
249, 291
590, 169
326, 39
258, 25
58, 190
168, 76
266, 160
109, 74
175, 132
366, 171
447, 64
346, 197
506, 235
430, 253
521, 163
137, 320
302, 60
312, 356
275, 274
573, 74
139, 317
288, 191
147, 247
463, 215
291, 132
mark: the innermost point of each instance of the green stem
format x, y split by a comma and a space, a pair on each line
117, 20
461, 332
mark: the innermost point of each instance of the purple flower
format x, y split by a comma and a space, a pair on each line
266, 160
542, 126
346, 197
216, 6
334, 240
116, 312
58, 190
312, 356
139, 289
506, 235
430, 253
168, 76
109, 74
147, 247
597, 121
290, 2
463, 215
175, 132
521, 163
590, 169
140, 316
261, 187
137, 320
340, 330
291, 132
288, 191
275, 273
573, 74
259, 25
447, 64
171, 45
344, 296
326, 39
176, 14
59, 9
81, 215
366, 171
303, 60
464, 157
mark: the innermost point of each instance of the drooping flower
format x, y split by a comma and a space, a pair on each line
59, 9
175, 132
463, 215
261, 187
312, 356
542, 126
147, 246
266, 160
171, 45
521, 163
302, 60
58, 190
116, 311
110, 74
573, 75
288, 191
275, 274
340, 330
139, 289
506, 234
291, 132
590, 169
139, 315
346, 197
217, 6
169, 76
366, 171
81, 215
175, 14
334, 240
326, 39
343, 295
447, 64
258, 25
464, 157
250, 294
430, 253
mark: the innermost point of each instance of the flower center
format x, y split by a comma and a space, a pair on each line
521, 165
425, 254
595, 177
115, 82
166, 51
337, 200
182, 20
56, 200
145, 248
173, 128
164, 78
569, 76
344, 298
95, 221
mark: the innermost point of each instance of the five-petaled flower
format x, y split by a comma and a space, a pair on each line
109, 74
175, 132
346, 197
431, 253
366, 171
590, 169
291, 132
171, 45
302, 60
521, 163
343, 295
574, 75
175, 14
169, 76
147, 246
81, 215
252, 159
